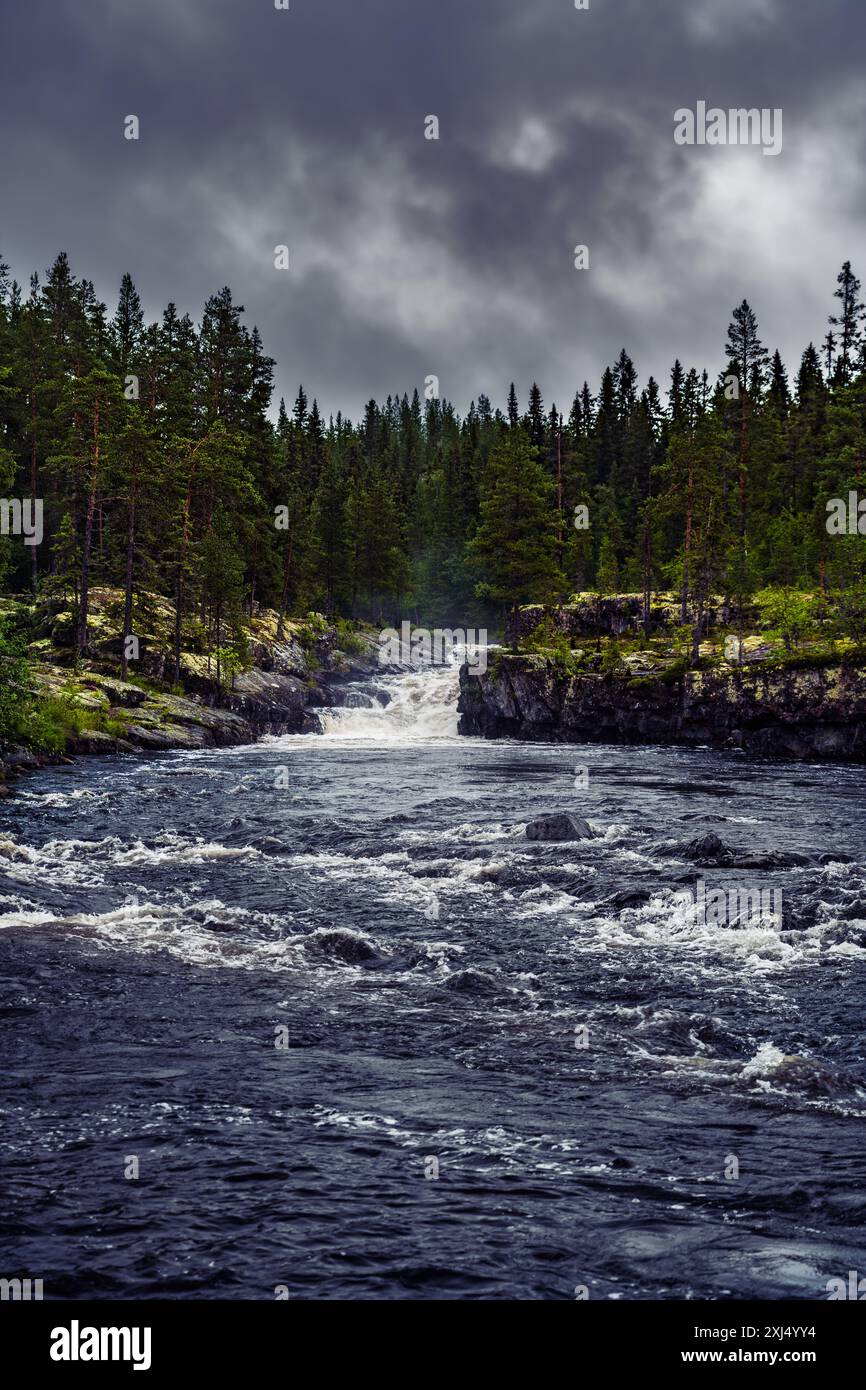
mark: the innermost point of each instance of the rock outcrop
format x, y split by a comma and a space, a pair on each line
786, 713
618, 615
269, 701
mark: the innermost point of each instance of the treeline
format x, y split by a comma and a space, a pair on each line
159, 467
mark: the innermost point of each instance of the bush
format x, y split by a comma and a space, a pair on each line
815, 659
612, 663
546, 639
47, 722
670, 675
14, 681
854, 658
347, 638
789, 615
677, 670
230, 661
44, 726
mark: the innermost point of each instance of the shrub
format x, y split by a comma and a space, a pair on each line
789, 615
14, 681
230, 661
612, 663
44, 725
670, 675
674, 673
347, 638
546, 639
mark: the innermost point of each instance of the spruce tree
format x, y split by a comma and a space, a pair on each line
848, 321
515, 545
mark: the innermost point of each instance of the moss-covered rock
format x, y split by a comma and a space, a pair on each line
86, 708
615, 615
787, 713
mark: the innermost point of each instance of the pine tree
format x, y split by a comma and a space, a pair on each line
675, 395
89, 407
127, 328
135, 468
748, 359
712, 532
535, 424
515, 545
848, 321
222, 579
328, 524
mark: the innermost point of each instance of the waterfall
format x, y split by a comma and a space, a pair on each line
422, 705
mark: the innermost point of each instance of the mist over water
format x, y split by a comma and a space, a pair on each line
372, 892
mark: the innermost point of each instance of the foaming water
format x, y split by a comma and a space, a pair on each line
289, 994
421, 705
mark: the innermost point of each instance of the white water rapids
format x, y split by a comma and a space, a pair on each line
372, 891
422, 705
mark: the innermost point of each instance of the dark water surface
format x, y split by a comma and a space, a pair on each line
162, 917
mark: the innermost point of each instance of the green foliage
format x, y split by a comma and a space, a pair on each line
229, 663
675, 671
309, 633
515, 545
612, 663
48, 723
43, 726
817, 658
544, 636
348, 639
194, 492
789, 615
548, 640
847, 578
14, 683
607, 579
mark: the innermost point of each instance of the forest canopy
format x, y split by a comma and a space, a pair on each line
159, 466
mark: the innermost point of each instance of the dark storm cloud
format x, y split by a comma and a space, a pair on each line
409, 257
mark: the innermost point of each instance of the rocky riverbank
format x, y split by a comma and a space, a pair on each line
790, 713
285, 684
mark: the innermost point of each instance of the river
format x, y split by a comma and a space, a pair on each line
313, 1018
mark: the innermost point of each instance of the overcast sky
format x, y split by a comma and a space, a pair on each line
411, 257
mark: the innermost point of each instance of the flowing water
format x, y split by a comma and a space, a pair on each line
359, 1038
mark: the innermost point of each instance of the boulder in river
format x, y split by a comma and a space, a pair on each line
773, 859
628, 897
561, 825
712, 852
348, 946
709, 849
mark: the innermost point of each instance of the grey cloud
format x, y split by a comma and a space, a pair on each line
262, 127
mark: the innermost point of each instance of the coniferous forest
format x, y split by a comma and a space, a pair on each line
163, 467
